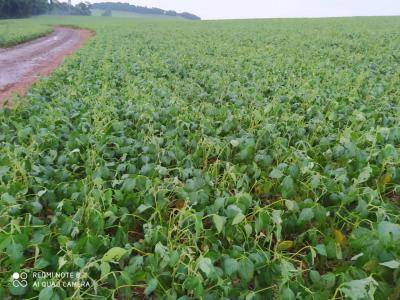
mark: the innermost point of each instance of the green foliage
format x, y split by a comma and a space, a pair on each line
22, 8
16, 31
249, 160
11, 9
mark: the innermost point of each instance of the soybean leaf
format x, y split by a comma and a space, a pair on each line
219, 222
114, 254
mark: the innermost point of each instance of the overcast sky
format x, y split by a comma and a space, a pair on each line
238, 9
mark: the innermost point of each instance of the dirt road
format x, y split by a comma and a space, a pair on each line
21, 65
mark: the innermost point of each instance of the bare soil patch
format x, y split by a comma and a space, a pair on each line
22, 65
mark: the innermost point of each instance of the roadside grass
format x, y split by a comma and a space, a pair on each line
13, 32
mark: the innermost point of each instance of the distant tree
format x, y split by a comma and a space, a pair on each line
189, 16
22, 8
107, 13
119, 6
63, 8
39, 7
27, 8
171, 13
82, 9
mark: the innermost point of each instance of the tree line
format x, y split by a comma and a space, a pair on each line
27, 8
119, 6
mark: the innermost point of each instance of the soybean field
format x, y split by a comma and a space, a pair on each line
253, 159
